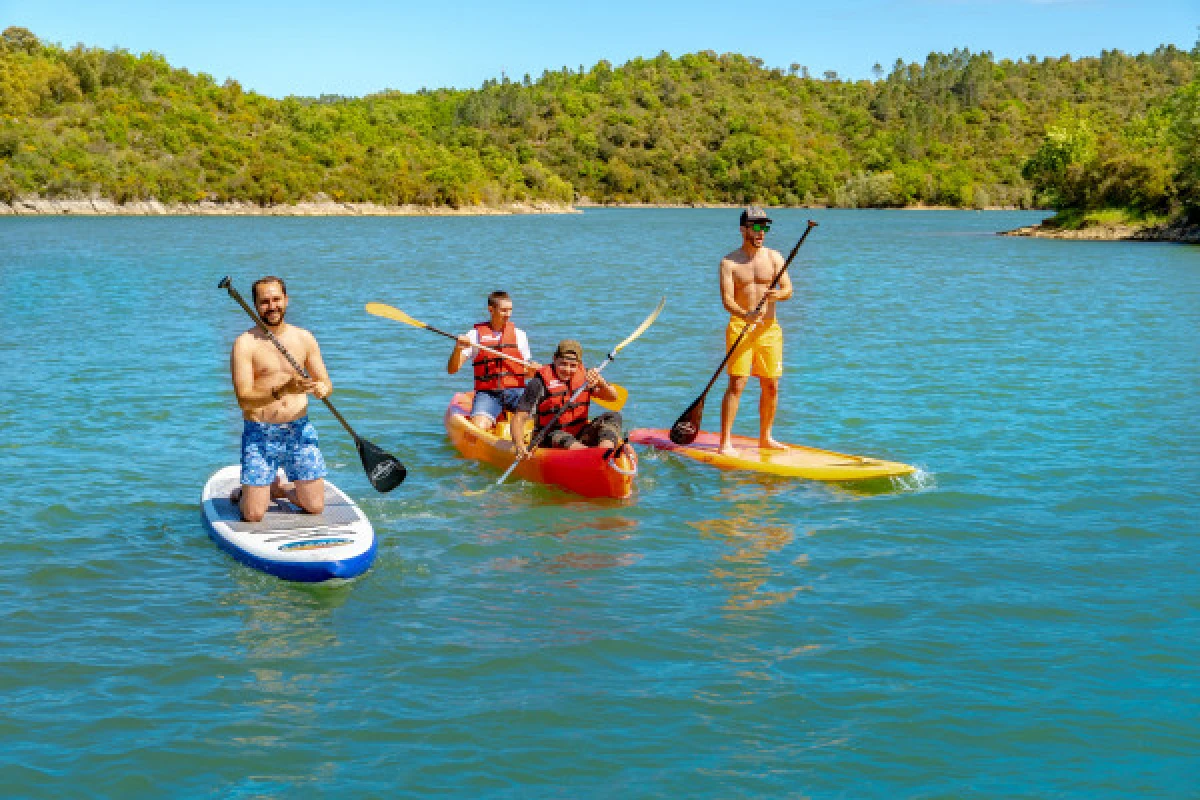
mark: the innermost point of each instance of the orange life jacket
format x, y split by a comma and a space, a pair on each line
493, 372
557, 395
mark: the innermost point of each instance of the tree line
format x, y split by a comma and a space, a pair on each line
961, 129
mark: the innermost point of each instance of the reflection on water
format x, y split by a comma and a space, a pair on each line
603, 529
281, 619
754, 532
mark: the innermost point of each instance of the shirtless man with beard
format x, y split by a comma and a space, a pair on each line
745, 278
274, 402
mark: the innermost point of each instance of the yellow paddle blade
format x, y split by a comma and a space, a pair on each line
391, 312
642, 328
614, 405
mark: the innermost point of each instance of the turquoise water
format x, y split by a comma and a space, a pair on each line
1020, 620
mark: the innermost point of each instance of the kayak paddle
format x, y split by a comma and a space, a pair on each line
687, 427
550, 425
391, 312
384, 471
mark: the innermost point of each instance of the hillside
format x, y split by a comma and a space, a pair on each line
961, 129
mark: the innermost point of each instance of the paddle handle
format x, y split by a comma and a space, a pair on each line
227, 285
762, 301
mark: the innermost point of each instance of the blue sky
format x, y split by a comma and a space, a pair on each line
356, 47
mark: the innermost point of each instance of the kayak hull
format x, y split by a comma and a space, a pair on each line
583, 472
795, 462
337, 544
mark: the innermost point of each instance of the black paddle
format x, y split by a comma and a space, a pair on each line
384, 471
687, 427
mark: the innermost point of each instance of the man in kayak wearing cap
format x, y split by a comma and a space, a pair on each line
745, 276
550, 390
499, 382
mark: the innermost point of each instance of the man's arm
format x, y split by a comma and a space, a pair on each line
601, 388
241, 365
728, 290
527, 354
466, 343
784, 288
322, 387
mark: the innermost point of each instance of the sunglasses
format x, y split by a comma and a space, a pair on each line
759, 227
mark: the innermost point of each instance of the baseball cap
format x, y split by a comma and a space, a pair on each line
569, 348
753, 214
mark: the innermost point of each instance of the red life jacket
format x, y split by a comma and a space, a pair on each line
493, 372
557, 395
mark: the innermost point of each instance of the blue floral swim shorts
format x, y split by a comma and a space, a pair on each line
292, 445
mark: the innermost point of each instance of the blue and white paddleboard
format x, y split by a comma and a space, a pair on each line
287, 543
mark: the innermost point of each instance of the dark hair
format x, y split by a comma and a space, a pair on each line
266, 280
496, 295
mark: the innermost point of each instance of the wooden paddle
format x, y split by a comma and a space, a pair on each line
687, 427
391, 312
575, 395
384, 471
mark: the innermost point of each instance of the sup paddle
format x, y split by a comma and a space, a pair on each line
391, 312
384, 471
646, 323
687, 427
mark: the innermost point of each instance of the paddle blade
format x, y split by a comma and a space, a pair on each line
391, 312
384, 471
687, 427
614, 405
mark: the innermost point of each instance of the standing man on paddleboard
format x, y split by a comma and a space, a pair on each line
550, 390
745, 276
499, 382
274, 403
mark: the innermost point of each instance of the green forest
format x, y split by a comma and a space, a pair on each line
962, 129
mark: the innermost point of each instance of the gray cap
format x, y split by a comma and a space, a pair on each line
753, 214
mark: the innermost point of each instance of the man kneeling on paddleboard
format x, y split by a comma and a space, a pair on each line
274, 401
549, 392
499, 381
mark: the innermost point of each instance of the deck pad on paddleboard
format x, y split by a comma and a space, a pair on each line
797, 461
288, 543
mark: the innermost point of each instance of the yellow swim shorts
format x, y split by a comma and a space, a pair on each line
761, 352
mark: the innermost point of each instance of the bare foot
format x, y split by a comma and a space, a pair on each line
726, 449
770, 443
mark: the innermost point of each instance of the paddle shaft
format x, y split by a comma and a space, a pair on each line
757, 308
303, 372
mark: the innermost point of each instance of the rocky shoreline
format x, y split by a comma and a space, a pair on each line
1174, 232
95, 207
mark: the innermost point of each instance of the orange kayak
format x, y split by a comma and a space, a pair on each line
586, 472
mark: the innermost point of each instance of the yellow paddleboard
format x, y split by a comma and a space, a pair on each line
797, 461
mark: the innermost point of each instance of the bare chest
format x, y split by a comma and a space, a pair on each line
268, 361
758, 272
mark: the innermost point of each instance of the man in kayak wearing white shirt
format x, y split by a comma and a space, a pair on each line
499, 382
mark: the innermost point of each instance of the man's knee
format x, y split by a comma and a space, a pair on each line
736, 385
770, 385
253, 514
310, 495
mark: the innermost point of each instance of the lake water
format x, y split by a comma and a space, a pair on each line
1019, 620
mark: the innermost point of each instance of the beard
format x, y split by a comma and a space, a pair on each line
273, 318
